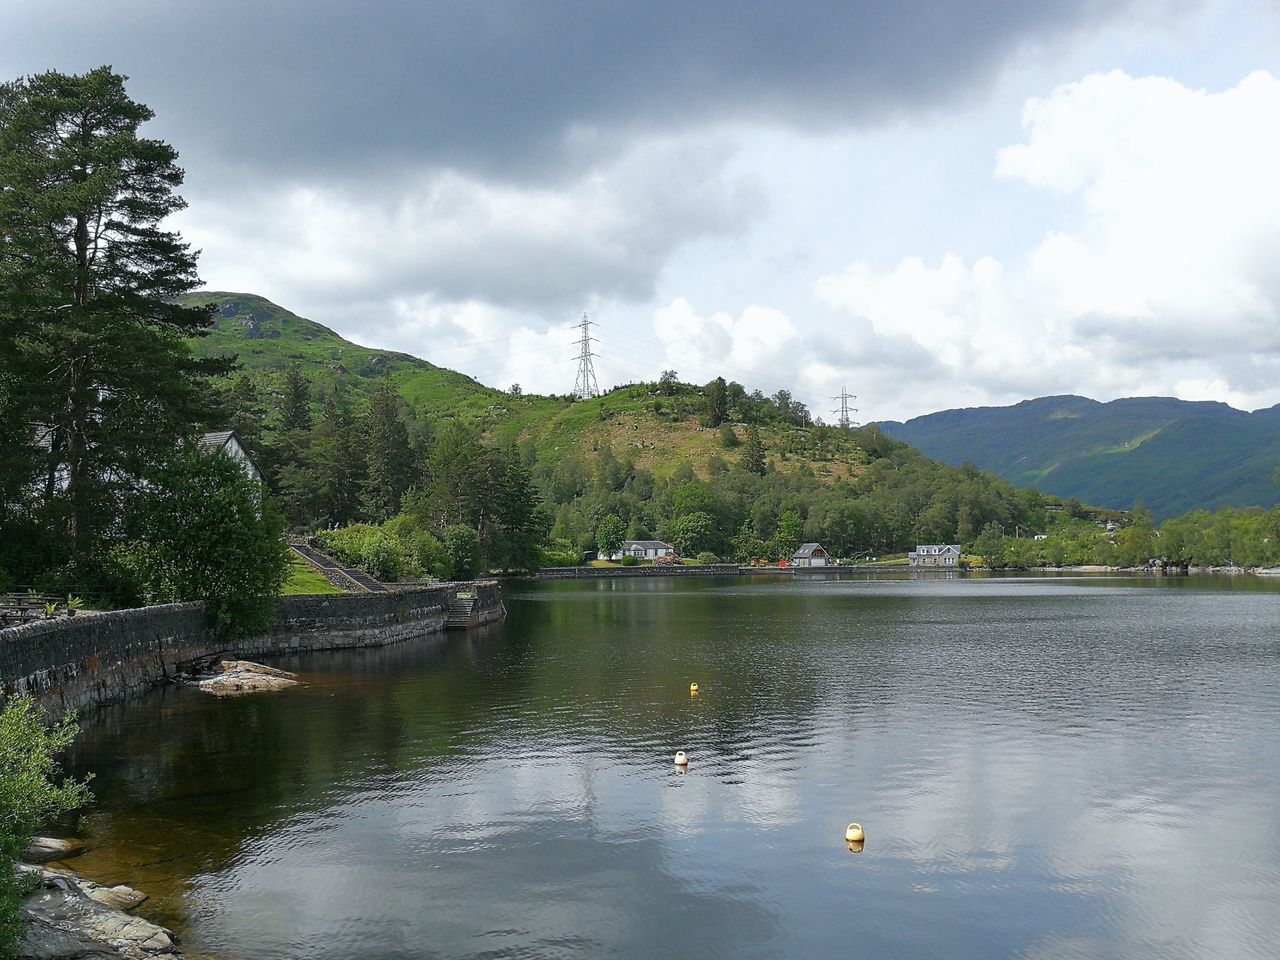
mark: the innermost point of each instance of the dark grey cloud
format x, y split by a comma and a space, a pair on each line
519, 90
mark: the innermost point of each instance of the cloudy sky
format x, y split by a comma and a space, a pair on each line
935, 204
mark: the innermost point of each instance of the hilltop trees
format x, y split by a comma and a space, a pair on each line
96, 362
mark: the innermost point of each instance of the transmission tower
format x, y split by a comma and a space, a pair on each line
585, 385
845, 421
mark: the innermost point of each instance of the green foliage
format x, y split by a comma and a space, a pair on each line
203, 531
630, 561
94, 344
728, 438
692, 533
609, 535
753, 451
706, 556
31, 794
390, 460
463, 547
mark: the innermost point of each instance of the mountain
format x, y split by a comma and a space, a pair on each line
1171, 455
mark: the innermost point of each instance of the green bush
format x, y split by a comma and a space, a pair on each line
707, 557
6, 581
203, 531
629, 561
30, 796
463, 547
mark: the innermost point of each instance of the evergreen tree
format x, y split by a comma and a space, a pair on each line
295, 408
717, 403
335, 466
518, 525
96, 350
753, 451
389, 457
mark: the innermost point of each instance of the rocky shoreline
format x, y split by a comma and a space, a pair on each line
70, 918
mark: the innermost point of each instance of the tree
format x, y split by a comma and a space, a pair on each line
609, 536
204, 531
88, 288
335, 468
753, 451
30, 796
389, 457
717, 405
693, 533
668, 383
518, 524
295, 405
463, 547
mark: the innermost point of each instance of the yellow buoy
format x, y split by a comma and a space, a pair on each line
681, 759
854, 833
693, 689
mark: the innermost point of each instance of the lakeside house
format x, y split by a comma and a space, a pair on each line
226, 441
935, 555
643, 550
810, 555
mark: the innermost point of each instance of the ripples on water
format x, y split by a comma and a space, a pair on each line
1063, 768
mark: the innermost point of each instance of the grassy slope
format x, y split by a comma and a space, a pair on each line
1173, 455
304, 580
267, 339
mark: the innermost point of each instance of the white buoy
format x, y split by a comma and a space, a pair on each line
854, 833
681, 759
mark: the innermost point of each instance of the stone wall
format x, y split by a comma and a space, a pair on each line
702, 570
81, 661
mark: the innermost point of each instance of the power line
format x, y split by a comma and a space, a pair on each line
845, 396
585, 385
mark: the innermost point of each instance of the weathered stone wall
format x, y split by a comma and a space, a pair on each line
86, 660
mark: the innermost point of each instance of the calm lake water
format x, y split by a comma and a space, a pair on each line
1084, 767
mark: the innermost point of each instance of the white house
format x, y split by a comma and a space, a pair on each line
935, 555
810, 555
226, 441
643, 550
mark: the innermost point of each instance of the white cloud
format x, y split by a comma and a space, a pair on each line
1164, 279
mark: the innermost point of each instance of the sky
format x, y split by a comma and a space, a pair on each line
927, 204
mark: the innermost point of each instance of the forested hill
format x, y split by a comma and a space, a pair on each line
718, 468
1171, 455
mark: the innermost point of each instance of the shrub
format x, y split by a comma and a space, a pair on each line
204, 531
29, 797
463, 546
629, 561
707, 557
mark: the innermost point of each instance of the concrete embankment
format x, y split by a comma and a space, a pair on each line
77, 662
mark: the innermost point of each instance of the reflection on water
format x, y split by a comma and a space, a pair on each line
1081, 767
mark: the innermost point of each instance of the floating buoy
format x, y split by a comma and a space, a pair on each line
693, 689
681, 759
853, 833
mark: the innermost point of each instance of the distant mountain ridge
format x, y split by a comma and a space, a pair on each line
1171, 455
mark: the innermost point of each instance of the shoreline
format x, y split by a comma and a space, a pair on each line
735, 570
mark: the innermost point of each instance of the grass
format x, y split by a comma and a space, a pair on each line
304, 580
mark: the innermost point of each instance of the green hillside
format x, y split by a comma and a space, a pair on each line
717, 469
656, 433
1172, 455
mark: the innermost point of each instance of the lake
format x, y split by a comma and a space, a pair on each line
1044, 767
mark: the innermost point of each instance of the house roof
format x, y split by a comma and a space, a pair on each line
216, 440
809, 549
922, 547
646, 544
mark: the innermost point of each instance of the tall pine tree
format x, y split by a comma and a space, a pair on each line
96, 349
388, 455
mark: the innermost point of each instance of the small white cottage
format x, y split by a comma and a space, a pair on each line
643, 550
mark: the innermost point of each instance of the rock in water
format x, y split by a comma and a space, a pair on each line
67, 919
241, 676
44, 849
